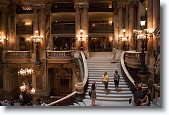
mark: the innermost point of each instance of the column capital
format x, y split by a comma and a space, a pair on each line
12, 8
48, 8
120, 5
131, 3
81, 5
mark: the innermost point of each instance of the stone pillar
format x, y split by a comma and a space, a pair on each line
127, 23
121, 22
149, 55
49, 41
85, 23
116, 25
81, 22
12, 28
35, 25
4, 24
77, 25
156, 20
131, 24
42, 27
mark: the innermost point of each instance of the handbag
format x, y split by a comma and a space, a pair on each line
90, 93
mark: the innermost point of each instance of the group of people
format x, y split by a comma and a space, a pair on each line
140, 97
5, 102
105, 80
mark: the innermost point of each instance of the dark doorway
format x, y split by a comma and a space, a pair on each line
63, 43
99, 44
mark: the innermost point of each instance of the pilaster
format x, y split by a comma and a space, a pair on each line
49, 41
131, 24
12, 28
81, 22
150, 27
116, 25
156, 20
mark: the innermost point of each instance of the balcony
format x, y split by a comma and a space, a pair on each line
132, 59
24, 29
100, 28
63, 28
59, 56
18, 56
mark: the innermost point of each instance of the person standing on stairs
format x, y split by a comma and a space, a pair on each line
93, 93
114, 54
116, 80
105, 80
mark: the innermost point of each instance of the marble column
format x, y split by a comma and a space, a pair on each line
121, 22
149, 27
85, 23
4, 22
77, 25
156, 20
116, 25
127, 23
49, 40
35, 24
12, 28
42, 28
131, 24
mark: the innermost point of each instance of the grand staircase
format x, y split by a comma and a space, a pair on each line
97, 65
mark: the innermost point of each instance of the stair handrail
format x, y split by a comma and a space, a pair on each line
85, 79
128, 77
62, 99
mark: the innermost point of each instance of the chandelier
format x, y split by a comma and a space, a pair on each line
25, 72
37, 38
27, 88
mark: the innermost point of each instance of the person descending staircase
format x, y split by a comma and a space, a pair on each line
96, 68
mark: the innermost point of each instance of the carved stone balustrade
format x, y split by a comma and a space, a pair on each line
59, 56
63, 28
18, 56
132, 59
24, 29
79, 87
100, 28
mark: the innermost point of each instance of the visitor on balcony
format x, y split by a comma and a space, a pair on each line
105, 80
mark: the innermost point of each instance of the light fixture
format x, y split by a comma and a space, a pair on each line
37, 38
27, 88
143, 21
27, 92
2, 38
81, 38
25, 72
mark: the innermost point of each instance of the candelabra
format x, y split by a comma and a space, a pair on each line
37, 38
25, 72
2, 39
124, 39
81, 39
26, 93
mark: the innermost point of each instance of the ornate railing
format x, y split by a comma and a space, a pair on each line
132, 59
100, 28
128, 78
59, 54
24, 29
78, 86
63, 28
64, 101
10, 55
